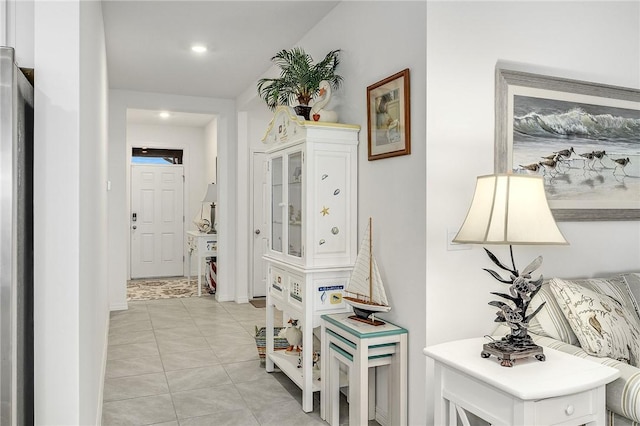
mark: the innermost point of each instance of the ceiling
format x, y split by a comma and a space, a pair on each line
173, 118
149, 42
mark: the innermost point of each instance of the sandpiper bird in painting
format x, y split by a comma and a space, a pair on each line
557, 158
531, 168
550, 165
588, 159
565, 153
622, 163
599, 155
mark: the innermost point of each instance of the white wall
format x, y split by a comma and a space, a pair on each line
94, 296
251, 130
17, 29
377, 40
119, 102
593, 41
70, 213
211, 152
195, 161
210, 167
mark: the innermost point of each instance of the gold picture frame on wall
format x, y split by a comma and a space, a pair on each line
388, 117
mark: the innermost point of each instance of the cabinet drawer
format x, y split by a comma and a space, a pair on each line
295, 284
277, 284
562, 409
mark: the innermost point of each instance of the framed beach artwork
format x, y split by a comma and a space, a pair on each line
388, 117
583, 138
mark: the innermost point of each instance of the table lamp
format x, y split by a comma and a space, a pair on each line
211, 197
512, 209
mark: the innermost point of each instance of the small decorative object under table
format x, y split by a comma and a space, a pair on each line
203, 245
563, 390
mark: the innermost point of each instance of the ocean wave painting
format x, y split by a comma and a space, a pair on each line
586, 153
578, 123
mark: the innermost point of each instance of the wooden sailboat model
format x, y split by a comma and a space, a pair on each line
365, 289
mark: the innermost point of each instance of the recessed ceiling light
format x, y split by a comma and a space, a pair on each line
164, 114
199, 48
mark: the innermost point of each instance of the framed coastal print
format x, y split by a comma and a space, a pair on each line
388, 117
582, 137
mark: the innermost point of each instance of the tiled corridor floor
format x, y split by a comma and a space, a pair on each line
193, 361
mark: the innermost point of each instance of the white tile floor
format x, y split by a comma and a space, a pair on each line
193, 361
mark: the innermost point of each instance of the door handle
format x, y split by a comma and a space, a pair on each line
257, 231
134, 227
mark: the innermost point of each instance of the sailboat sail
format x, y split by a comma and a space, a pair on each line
378, 294
366, 268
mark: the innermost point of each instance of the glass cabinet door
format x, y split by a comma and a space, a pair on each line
294, 214
276, 204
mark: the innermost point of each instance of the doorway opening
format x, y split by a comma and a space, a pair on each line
157, 220
184, 144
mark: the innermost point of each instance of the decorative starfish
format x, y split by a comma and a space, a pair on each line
324, 211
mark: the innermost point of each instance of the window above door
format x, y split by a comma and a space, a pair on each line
156, 156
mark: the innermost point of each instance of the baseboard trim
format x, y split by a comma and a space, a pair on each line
104, 372
221, 298
120, 306
382, 417
243, 300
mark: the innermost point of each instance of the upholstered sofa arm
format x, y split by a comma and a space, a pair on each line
623, 394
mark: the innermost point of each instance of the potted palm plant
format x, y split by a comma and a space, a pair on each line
299, 79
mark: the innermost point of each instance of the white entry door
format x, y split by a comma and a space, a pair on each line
157, 221
260, 204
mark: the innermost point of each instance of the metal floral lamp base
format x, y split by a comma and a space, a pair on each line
522, 289
508, 351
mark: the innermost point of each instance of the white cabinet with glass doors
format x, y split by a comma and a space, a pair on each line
312, 188
313, 191
286, 217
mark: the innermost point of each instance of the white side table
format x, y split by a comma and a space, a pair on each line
362, 347
205, 245
563, 390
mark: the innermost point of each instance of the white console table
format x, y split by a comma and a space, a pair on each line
205, 245
563, 390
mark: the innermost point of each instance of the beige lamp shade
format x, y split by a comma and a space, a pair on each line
212, 194
509, 209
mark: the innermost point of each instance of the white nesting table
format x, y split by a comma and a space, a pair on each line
563, 390
362, 347
204, 245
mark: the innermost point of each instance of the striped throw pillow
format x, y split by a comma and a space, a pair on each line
550, 321
632, 283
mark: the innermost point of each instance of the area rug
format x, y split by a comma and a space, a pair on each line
259, 303
162, 288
